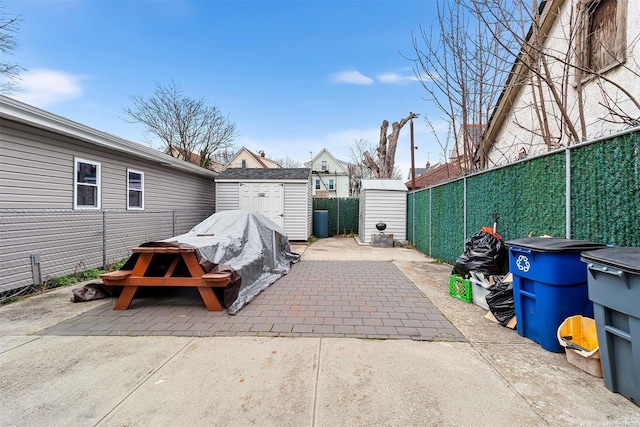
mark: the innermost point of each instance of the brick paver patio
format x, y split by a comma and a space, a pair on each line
361, 299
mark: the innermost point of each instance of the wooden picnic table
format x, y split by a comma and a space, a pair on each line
166, 266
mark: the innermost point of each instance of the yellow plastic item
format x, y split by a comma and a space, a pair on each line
578, 335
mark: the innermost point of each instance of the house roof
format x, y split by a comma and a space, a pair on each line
382, 184
272, 174
262, 161
419, 171
437, 175
344, 165
10, 109
195, 158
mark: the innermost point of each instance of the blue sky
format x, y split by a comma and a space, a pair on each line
296, 76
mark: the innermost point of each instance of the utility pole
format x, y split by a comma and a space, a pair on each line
413, 167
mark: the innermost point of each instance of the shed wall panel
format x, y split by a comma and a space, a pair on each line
389, 207
227, 196
296, 207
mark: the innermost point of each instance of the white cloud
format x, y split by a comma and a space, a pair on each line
395, 78
43, 87
351, 77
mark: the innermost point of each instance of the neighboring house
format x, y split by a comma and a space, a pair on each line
74, 198
282, 195
193, 158
600, 78
419, 171
438, 174
247, 159
330, 176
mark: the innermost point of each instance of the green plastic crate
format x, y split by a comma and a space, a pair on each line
460, 288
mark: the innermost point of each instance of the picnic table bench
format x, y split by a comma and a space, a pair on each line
166, 266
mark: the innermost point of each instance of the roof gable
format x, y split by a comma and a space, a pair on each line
325, 153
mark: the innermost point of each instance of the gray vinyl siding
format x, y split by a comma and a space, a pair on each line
36, 205
296, 211
66, 242
227, 196
69, 241
37, 167
389, 207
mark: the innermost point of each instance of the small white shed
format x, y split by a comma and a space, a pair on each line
382, 200
282, 195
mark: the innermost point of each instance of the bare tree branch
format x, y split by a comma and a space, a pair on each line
9, 71
186, 127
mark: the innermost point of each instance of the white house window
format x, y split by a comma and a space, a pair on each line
244, 163
331, 185
317, 184
86, 182
135, 189
325, 166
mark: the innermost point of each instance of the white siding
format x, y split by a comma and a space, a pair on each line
309, 208
296, 211
227, 196
389, 207
298, 205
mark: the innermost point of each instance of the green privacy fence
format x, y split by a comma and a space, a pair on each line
343, 214
601, 204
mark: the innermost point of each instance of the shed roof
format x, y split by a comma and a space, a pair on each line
383, 184
265, 174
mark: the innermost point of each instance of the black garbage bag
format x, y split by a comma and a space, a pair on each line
90, 292
501, 302
484, 253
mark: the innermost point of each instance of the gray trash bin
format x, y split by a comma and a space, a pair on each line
614, 288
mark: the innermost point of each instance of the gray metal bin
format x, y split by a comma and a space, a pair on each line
614, 288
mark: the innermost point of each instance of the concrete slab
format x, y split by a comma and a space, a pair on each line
497, 377
561, 393
228, 382
9, 343
373, 383
346, 249
41, 311
65, 381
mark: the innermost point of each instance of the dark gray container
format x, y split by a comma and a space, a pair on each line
614, 288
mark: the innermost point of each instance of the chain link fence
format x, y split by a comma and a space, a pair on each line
37, 245
343, 214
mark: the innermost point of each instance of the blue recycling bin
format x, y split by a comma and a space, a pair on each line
549, 285
321, 224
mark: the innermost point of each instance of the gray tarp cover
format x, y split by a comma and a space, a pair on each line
248, 242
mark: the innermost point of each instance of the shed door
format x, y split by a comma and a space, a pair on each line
265, 198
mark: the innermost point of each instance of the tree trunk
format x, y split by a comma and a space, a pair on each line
384, 166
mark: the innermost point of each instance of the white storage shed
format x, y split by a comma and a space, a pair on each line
382, 200
282, 195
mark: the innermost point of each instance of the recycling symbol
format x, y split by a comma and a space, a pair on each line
523, 263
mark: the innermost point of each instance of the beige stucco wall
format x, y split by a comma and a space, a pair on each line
514, 135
